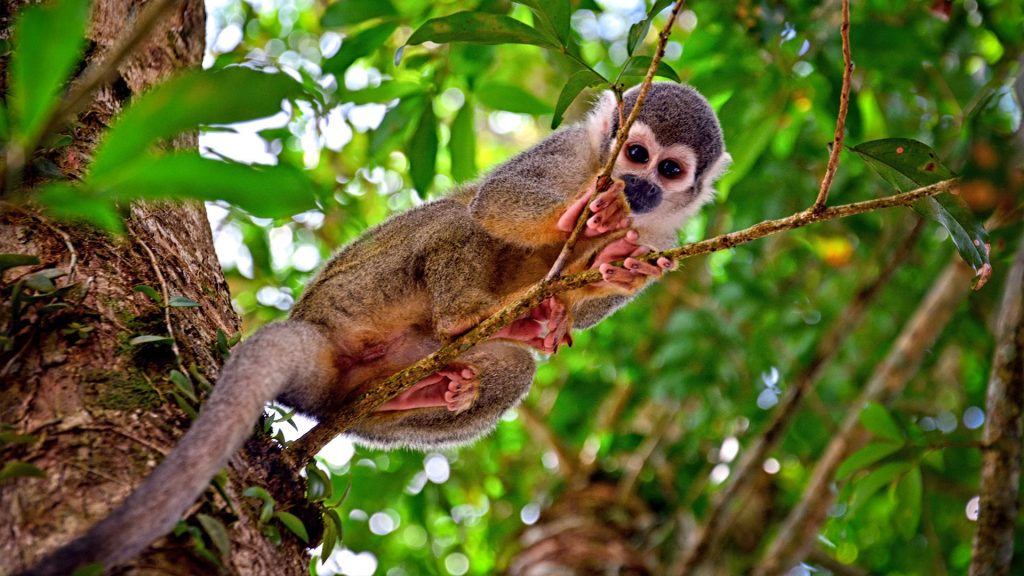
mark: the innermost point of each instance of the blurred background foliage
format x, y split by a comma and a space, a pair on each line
659, 400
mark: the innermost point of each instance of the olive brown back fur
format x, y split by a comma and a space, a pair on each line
411, 284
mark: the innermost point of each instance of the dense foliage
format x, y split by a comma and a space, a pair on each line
663, 398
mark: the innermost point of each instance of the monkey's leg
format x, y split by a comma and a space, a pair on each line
290, 354
504, 372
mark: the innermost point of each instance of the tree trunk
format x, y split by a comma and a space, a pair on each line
78, 402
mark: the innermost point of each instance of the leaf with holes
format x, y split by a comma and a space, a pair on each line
909, 164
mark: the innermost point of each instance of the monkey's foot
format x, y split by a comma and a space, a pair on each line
454, 388
633, 273
610, 208
545, 328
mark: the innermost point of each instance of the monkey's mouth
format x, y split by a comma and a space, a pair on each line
425, 394
642, 195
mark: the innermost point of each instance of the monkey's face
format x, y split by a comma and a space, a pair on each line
657, 177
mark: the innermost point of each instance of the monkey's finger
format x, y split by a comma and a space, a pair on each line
667, 263
639, 267
608, 198
567, 221
618, 276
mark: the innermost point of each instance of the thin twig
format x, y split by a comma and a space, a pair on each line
719, 517
166, 303
604, 178
308, 445
101, 71
800, 529
1004, 406
844, 105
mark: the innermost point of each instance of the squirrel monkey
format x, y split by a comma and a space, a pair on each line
425, 276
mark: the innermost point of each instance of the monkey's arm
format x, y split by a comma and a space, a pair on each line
522, 200
261, 367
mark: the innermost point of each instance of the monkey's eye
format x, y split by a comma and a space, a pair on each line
637, 153
670, 169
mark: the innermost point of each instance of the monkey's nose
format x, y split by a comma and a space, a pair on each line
643, 196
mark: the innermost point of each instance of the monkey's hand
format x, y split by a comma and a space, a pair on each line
633, 273
610, 208
455, 387
545, 328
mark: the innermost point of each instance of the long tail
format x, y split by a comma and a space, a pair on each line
259, 369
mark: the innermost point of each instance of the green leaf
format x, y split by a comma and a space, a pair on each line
183, 404
638, 65
150, 339
348, 12
183, 384
292, 523
498, 95
395, 125
258, 492
264, 191
5, 130
865, 457
908, 498
384, 93
71, 203
15, 469
422, 151
554, 15
909, 164
318, 484
218, 534
13, 260
150, 292
187, 102
330, 538
39, 283
94, 569
48, 46
478, 27
272, 534
182, 302
355, 46
573, 86
638, 31
873, 482
462, 144
878, 420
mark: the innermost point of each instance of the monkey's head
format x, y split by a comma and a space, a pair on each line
672, 157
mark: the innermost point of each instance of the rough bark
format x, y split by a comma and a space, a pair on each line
92, 412
1000, 473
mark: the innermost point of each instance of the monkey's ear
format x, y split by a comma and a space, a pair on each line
711, 175
600, 121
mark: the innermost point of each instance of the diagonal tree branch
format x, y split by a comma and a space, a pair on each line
308, 445
800, 529
721, 513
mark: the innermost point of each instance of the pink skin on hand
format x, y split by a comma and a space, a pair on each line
611, 212
454, 388
545, 328
633, 271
